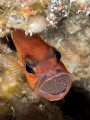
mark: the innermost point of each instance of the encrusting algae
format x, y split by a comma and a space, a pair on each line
17, 98
33, 17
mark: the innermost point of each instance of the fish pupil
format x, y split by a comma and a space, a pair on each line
29, 68
57, 54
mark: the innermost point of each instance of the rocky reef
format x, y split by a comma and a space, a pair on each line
67, 28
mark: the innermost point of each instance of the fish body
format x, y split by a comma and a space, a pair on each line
42, 65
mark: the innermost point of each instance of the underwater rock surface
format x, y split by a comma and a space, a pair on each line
17, 99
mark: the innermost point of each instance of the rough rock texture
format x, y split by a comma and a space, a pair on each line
74, 33
72, 38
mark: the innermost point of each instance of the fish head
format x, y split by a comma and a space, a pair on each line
42, 66
48, 77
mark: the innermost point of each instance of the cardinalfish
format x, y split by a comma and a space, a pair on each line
42, 65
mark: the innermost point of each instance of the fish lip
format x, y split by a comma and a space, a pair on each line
51, 97
56, 97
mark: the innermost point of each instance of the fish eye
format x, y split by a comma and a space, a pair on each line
57, 55
29, 69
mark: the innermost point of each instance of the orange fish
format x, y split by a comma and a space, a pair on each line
42, 66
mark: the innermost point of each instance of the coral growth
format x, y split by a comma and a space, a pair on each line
26, 14
17, 99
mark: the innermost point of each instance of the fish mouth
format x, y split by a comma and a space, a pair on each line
54, 87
